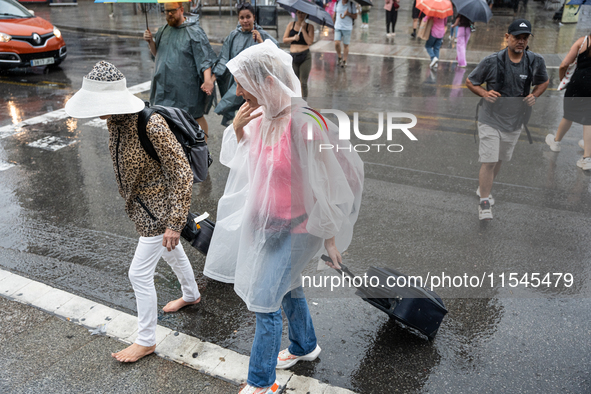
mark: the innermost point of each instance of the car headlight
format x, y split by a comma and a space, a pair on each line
56, 32
5, 37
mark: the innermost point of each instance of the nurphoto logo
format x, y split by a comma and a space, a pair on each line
344, 124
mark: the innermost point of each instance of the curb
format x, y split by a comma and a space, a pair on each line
205, 357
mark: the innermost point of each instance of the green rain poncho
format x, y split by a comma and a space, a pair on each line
237, 41
183, 54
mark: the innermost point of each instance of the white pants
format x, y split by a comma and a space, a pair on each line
141, 274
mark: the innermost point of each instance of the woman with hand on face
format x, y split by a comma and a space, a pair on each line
285, 202
300, 35
246, 34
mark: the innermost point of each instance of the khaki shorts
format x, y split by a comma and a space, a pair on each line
495, 145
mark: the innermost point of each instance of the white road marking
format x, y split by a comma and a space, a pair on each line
5, 166
51, 143
8, 130
97, 122
324, 46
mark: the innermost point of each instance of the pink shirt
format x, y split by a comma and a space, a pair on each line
438, 30
282, 190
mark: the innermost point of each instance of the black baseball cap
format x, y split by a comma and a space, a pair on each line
519, 26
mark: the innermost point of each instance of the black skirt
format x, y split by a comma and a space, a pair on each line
577, 98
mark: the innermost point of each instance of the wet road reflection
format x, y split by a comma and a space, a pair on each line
62, 222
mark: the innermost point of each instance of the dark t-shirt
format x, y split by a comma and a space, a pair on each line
506, 112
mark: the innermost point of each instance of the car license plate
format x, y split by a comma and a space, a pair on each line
42, 62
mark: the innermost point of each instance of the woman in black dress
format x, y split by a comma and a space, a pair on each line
577, 99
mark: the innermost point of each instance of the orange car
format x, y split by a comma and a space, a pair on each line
27, 40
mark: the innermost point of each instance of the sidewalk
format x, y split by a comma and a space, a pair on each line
551, 40
40, 353
56, 342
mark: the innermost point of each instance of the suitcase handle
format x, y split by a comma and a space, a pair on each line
343, 269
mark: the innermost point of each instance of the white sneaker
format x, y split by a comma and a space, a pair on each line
582, 144
584, 163
433, 62
286, 359
248, 389
552, 143
490, 197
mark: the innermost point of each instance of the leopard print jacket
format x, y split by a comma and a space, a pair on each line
157, 196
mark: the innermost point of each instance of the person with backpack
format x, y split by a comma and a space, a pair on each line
505, 105
345, 14
157, 194
576, 104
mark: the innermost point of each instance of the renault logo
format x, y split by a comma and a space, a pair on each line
36, 38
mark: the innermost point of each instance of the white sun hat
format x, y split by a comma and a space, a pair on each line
104, 92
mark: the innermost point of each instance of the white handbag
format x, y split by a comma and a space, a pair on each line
571, 69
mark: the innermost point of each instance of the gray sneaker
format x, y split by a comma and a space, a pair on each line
490, 197
553, 144
484, 211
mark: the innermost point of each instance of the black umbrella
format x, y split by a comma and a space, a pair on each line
364, 2
475, 10
314, 12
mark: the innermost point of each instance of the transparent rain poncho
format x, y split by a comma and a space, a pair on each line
283, 196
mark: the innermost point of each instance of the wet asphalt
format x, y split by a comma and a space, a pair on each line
62, 223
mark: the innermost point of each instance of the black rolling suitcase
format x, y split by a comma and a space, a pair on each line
411, 305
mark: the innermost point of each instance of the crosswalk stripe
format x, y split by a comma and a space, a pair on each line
52, 143
5, 165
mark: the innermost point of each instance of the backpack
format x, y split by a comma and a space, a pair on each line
187, 132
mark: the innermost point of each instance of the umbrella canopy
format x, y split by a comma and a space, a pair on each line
475, 10
436, 8
364, 2
135, 1
314, 12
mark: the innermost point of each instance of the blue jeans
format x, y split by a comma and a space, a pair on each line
267, 337
432, 46
453, 32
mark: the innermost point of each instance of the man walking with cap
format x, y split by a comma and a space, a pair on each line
157, 195
506, 104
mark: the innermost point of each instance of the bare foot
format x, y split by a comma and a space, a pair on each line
133, 353
175, 305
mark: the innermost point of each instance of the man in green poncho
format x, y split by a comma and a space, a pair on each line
182, 74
